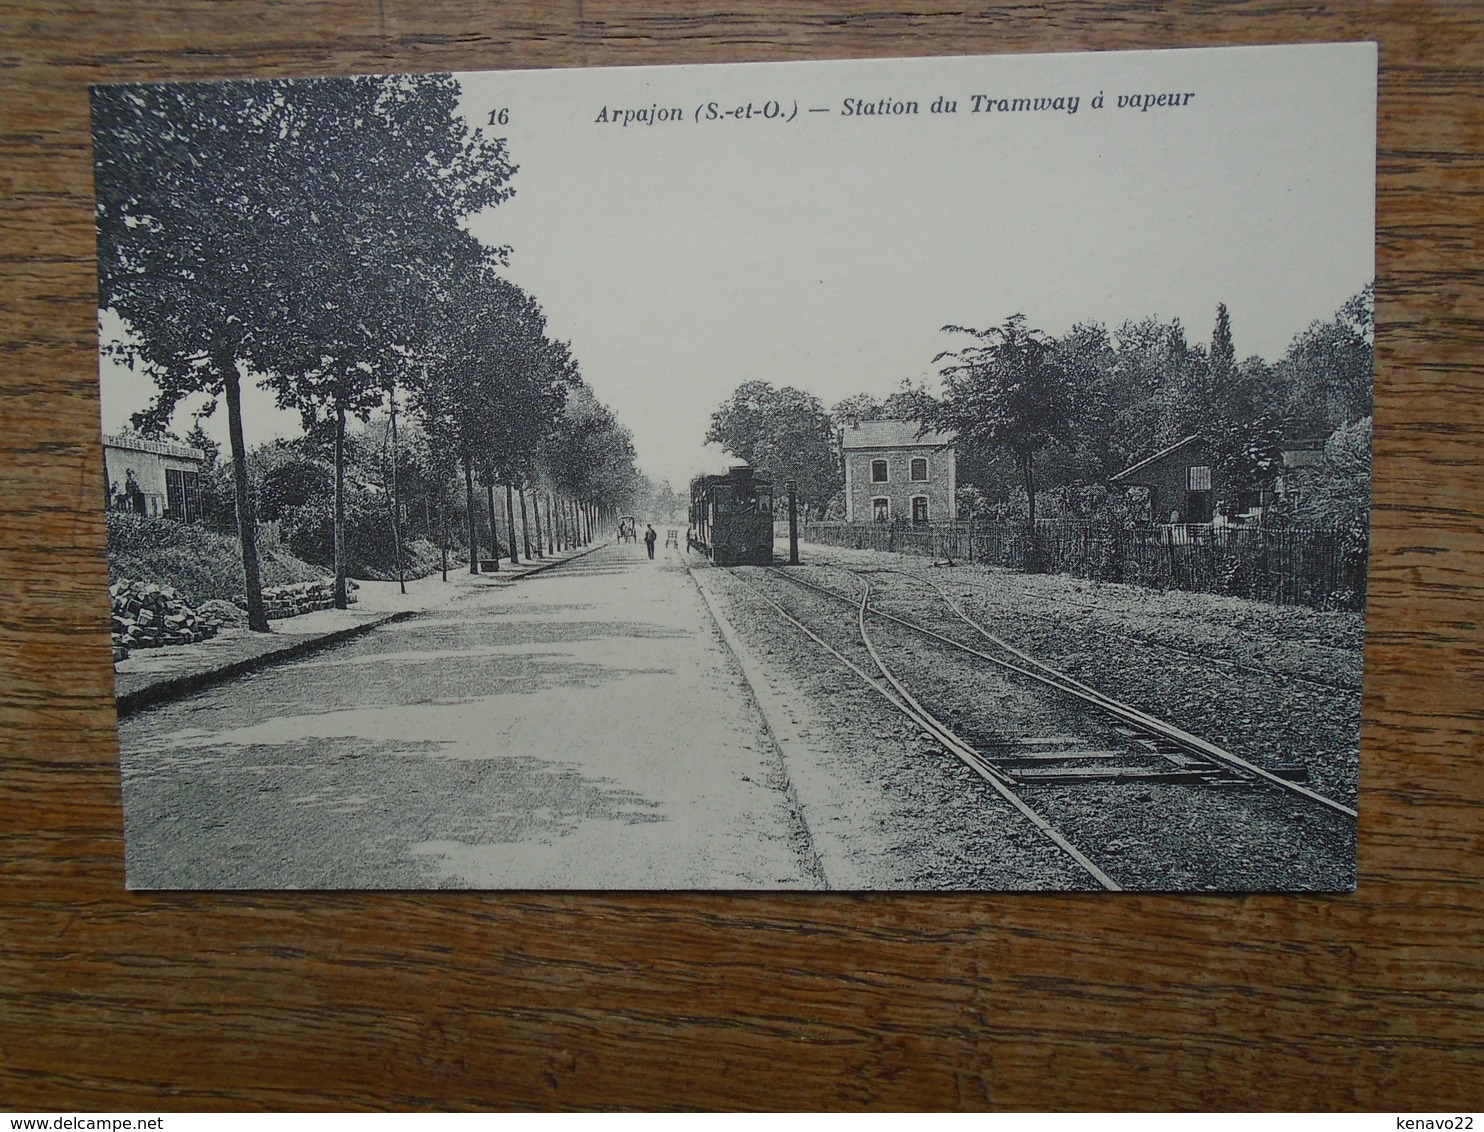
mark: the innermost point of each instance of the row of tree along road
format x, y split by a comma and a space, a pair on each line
310, 235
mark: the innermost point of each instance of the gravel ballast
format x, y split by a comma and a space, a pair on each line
1275, 685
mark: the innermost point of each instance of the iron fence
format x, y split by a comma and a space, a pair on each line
1319, 567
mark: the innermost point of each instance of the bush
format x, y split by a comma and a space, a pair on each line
370, 551
308, 531
199, 564
419, 559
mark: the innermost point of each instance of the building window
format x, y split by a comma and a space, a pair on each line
919, 509
919, 470
881, 510
183, 495
878, 471
1200, 477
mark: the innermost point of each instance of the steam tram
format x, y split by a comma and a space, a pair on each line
731, 517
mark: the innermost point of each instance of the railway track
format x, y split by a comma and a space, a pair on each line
1085, 741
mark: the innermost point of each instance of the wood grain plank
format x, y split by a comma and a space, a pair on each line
651, 1000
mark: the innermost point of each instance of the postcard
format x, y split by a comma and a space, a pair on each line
877, 475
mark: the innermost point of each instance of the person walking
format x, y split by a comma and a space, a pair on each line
649, 538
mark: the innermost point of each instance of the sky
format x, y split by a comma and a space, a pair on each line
683, 257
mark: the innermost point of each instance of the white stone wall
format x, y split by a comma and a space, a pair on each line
900, 489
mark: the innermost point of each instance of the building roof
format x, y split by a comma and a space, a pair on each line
890, 434
157, 447
1134, 469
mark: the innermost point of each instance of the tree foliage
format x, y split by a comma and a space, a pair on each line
591, 455
1009, 391
1223, 351
909, 403
1329, 370
288, 227
1142, 385
783, 432
1340, 493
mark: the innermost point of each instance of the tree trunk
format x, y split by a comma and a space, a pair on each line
247, 520
443, 533
1028, 471
472, 515
551, 547
510, 523
489, 489
525, 524
396, 503
342, 596
536, 508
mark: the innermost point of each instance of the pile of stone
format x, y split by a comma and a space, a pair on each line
146, 615
223, 612
301, 597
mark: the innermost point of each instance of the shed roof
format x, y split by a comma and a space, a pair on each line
890, 434
1134, 469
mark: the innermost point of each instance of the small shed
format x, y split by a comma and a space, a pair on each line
1182, 480
153, 477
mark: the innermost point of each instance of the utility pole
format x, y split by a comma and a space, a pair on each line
396, 501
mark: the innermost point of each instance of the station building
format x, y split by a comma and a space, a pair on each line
894, 475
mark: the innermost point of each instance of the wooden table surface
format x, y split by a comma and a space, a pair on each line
110, 1000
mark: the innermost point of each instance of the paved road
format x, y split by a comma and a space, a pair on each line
585, 728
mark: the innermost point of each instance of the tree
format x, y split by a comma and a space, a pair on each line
493, 388
908, 403
1340, 495
398, 170
496, 383
591, 455
1010, 391
1329, 369
283, 226
1223, 353
852, 410
174, 165
783, 432
1104, 427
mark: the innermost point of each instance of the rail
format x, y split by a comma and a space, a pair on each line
1053, 678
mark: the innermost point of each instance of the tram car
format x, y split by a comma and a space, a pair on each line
731, 517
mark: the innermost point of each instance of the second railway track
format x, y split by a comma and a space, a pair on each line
1137, 802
